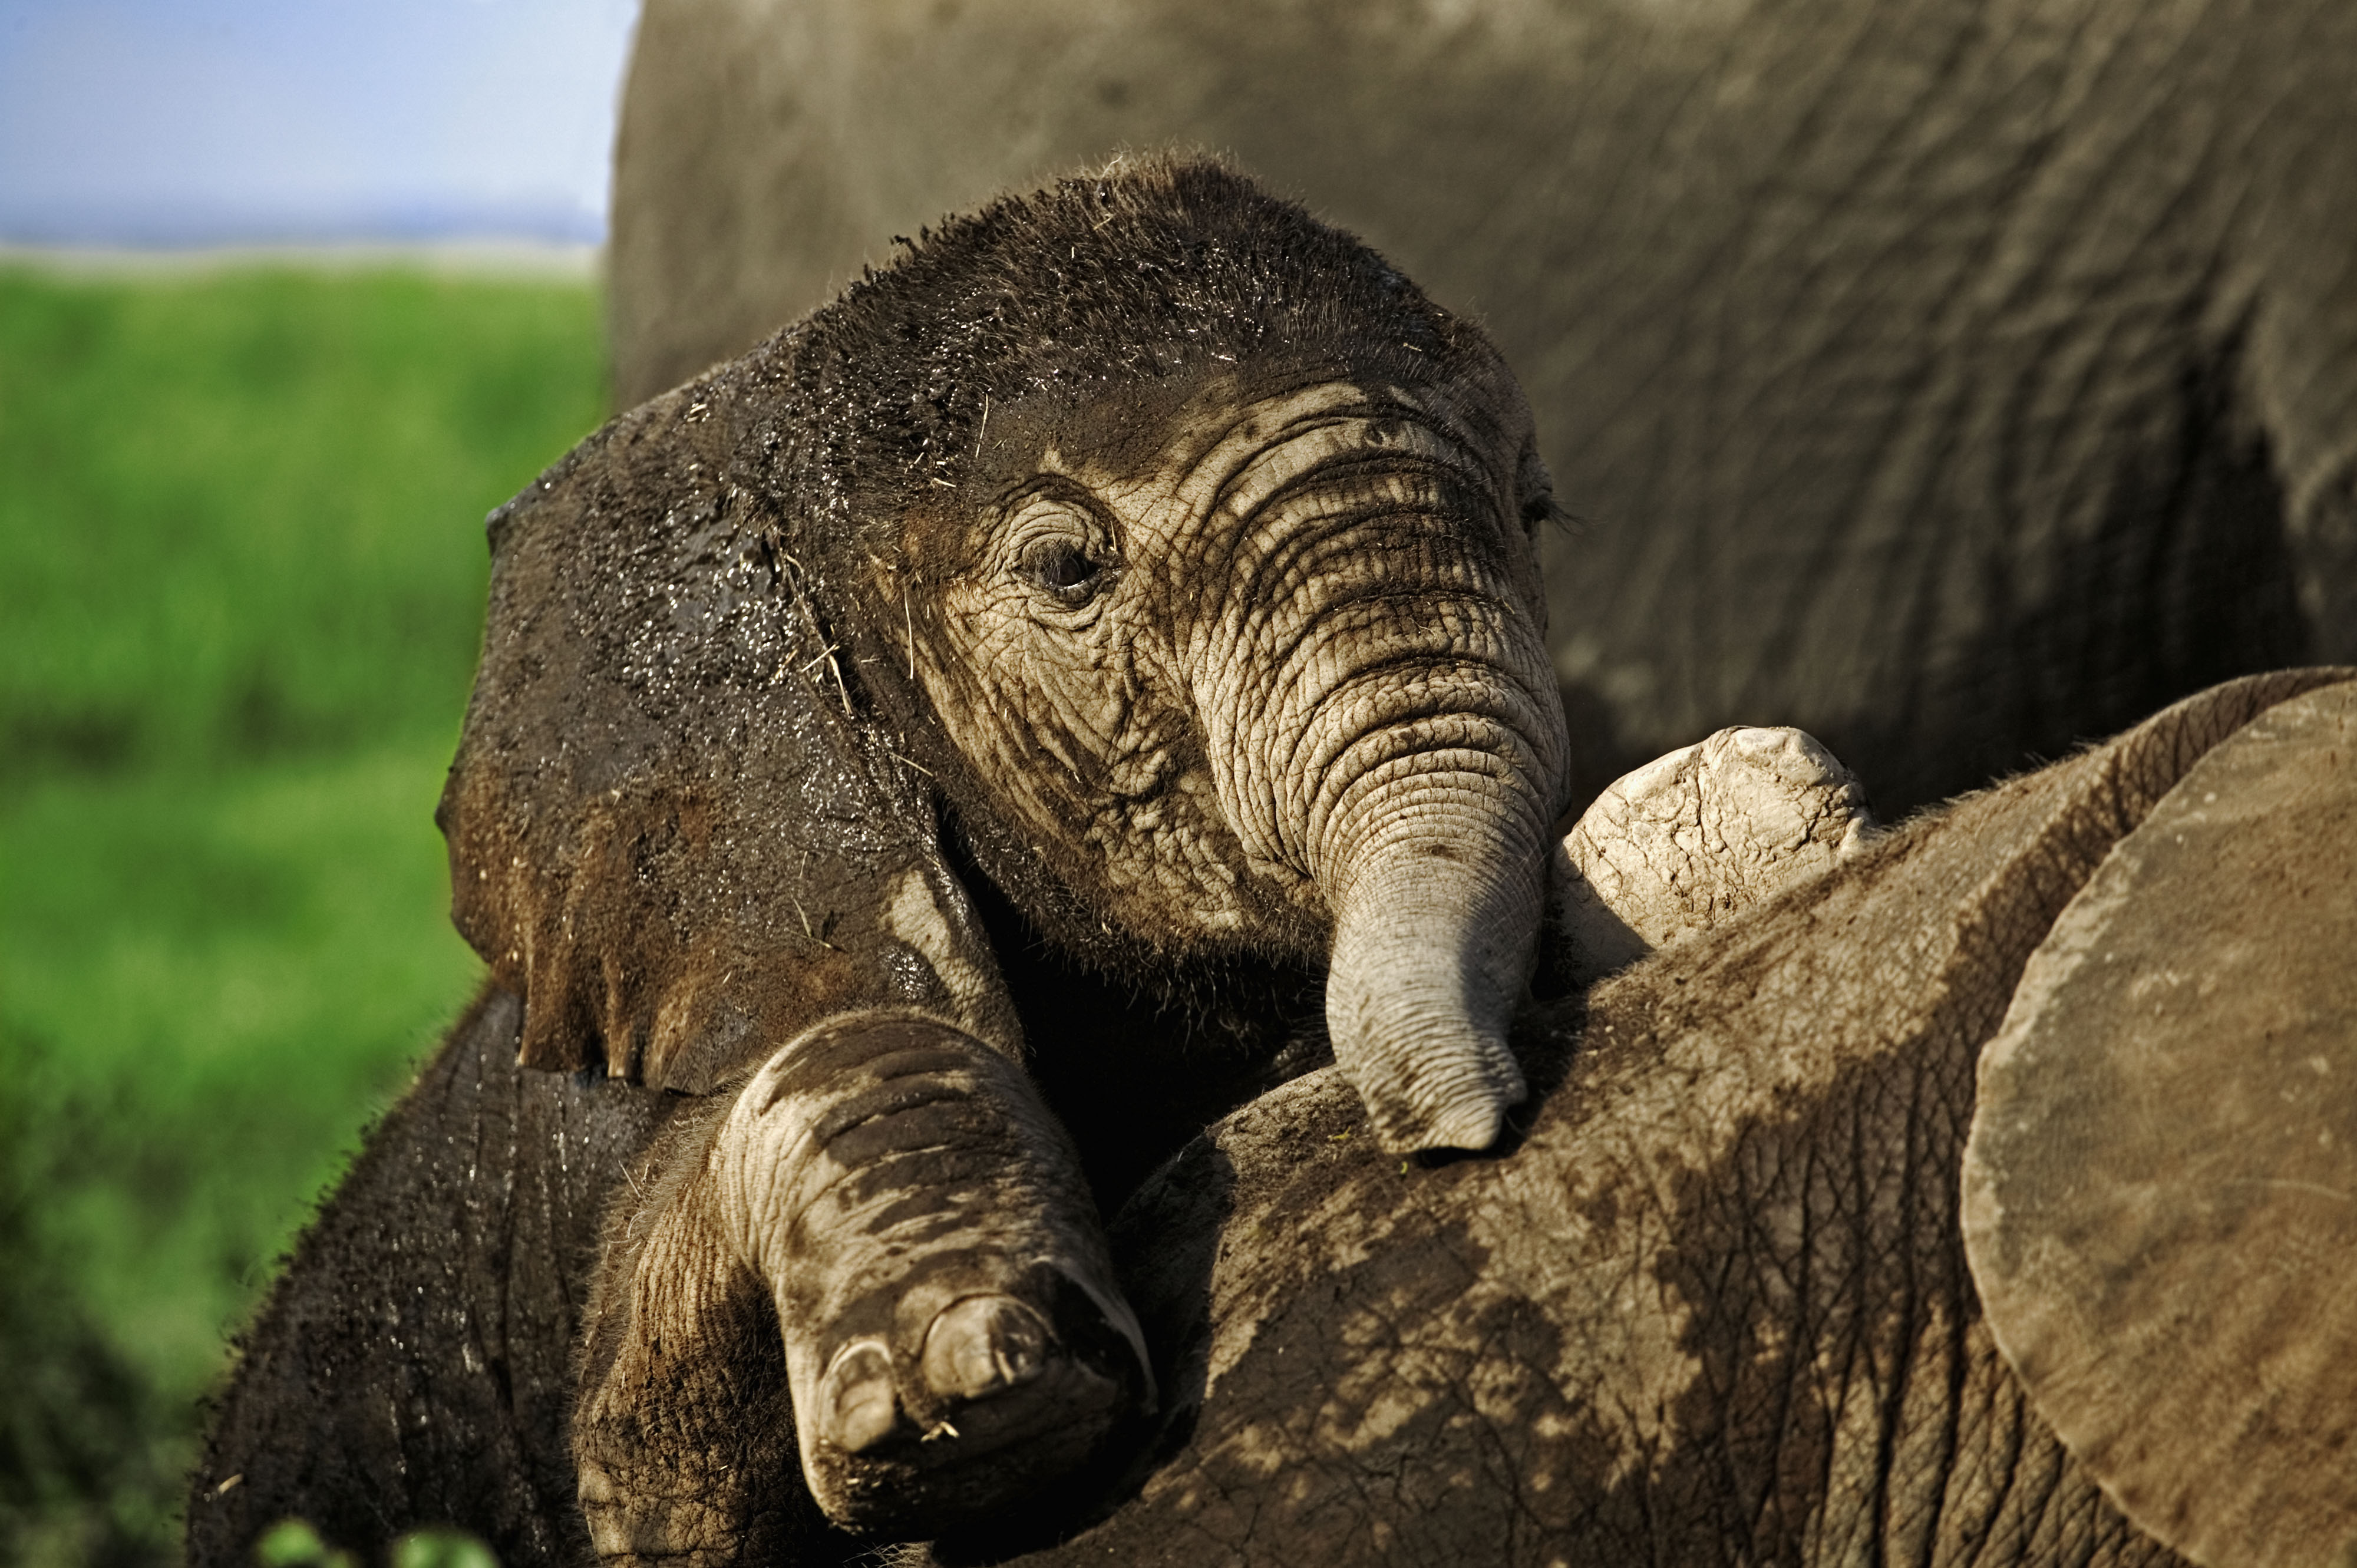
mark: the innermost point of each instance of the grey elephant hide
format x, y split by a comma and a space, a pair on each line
1956, 380
1716, 1307
1713, 1305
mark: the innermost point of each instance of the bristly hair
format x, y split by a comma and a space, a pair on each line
1151, 268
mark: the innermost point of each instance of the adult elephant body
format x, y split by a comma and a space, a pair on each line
1954, 381
1802, 1259
1765, 1276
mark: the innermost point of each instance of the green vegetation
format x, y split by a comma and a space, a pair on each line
293, 1544
241, 587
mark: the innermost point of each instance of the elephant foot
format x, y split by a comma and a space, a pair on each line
953, 1338
1696, 836
995, 1400
888, 1220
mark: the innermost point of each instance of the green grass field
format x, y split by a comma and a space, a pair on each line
242, 571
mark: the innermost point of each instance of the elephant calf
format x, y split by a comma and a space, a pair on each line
1130, 591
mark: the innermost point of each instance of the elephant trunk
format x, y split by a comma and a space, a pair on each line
1434, 869
1388, 731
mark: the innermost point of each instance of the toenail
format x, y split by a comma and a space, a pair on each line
858, 1407
983, 1344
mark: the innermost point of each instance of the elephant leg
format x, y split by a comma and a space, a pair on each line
888, 1232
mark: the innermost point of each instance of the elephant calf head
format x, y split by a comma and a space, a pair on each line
1246, 657
1141, 547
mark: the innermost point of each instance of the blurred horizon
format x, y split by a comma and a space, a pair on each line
292, 292
165, 125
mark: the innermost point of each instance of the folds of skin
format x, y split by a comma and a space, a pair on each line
889, 1198
1437, 903
1313, 711
1392, 733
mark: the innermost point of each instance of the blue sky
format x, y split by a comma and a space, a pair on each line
165, 122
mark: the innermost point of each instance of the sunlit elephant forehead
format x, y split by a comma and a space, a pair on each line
1225, 454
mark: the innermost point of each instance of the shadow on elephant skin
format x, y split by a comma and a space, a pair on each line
1168, 1238
1189, 1197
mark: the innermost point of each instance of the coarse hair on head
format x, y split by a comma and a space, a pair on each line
1147, 269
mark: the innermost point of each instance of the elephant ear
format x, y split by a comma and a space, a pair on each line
2160, 1189
669, 828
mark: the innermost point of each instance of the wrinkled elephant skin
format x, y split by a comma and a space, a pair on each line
1716, 1304
1014, 697
1956, 383
1715, 1298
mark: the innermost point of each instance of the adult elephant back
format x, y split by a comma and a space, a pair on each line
1954, 379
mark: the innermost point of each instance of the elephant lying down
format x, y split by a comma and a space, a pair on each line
1764, 1281
1986, 1198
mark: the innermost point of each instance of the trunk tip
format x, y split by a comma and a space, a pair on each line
1470, 1116
1472, 1124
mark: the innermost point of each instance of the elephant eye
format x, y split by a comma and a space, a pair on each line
1059, 546
1063, 568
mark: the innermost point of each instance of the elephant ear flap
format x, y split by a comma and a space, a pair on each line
2160, 1188
667, 829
